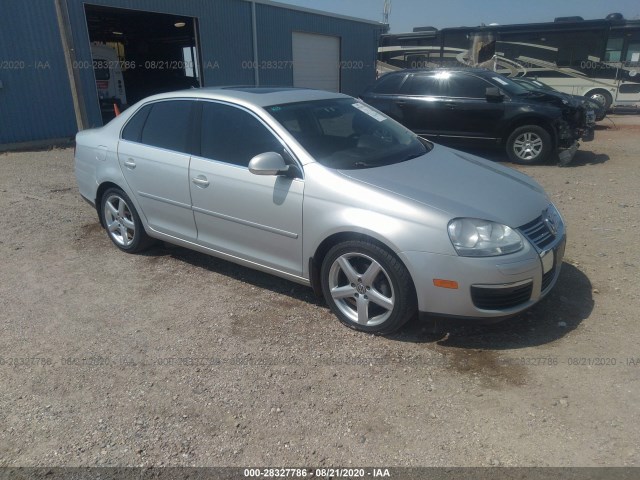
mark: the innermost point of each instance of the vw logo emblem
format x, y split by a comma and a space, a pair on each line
549, 221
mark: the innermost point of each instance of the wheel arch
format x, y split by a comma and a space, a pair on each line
103, 187
315, 261
530, 120
106, 185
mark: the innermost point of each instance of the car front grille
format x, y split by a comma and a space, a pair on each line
500, 298
538, 233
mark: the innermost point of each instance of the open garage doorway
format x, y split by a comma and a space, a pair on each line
137, 53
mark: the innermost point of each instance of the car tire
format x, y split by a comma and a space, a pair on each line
367, 287
528, 145
603, 97
122, 222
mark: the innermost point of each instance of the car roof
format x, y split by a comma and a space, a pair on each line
480, 71
259, 96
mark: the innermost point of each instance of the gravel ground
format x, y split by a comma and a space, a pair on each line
176, 358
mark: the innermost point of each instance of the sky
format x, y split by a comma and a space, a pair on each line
406, 14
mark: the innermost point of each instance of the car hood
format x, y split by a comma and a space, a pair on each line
461, 185
557, 99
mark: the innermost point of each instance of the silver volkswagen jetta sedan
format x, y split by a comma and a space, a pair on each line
323, 190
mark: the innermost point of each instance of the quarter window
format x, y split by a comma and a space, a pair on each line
232, 135
133, 130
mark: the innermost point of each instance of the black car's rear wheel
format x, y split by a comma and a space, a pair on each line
367, 288
529, 144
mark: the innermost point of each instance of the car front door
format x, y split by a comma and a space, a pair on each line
153, 153
253, 217
467, 115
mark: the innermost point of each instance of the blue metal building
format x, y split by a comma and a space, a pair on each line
47, 92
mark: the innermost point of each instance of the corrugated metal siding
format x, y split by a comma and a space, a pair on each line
35, 100
358, 45
36, 104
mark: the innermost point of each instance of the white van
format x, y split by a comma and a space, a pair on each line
109, 80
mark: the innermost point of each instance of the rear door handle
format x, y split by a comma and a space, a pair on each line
200, 181
401, 103
129, 163
452, 106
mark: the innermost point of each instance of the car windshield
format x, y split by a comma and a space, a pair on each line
347, 134
534, 85
509, 86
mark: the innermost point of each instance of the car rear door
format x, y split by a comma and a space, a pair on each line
153, 153
385, 95
412, 102
253, 217
421, 105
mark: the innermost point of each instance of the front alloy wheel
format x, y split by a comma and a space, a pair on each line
367, 288
528, 145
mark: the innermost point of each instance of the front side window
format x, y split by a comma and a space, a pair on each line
232, 135
465, 86
168, 125
344, 133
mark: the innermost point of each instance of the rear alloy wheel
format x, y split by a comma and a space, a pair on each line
367, 288
122, 222
528, 145
603, 97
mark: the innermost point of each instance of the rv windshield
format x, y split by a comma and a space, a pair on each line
101, 69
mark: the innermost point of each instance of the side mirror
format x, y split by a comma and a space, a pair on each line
494, 94
268, 163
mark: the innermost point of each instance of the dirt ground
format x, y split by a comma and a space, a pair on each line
177, 358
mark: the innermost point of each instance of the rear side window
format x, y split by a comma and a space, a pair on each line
133, 130
234, 136
167, 125
421, 85
388, 84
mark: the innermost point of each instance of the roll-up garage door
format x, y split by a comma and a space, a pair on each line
316, 61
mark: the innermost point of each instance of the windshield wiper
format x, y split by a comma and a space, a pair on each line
531, 93
412, 156
362, 165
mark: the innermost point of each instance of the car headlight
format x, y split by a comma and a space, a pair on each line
473, 237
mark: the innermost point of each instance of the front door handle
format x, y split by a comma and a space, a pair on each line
200, 181
452, 106
129, 163
401, 103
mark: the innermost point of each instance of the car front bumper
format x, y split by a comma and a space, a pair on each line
489, 288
